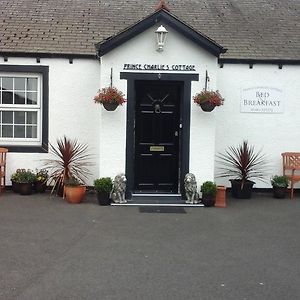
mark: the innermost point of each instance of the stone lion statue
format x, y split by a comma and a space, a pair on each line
117, 194
190, 186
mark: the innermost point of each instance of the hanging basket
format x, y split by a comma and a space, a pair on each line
207, 107
110, 106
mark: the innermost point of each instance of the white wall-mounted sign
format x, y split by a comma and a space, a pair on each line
159, 67
262, 100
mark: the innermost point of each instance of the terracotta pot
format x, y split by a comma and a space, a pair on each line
25, 188
221, 196
103, 198
75, 194
207, 107
110, 106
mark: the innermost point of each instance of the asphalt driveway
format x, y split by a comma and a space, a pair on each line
53, 250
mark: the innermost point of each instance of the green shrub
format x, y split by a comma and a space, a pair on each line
279, 181
23, 176
209, 188
103, 184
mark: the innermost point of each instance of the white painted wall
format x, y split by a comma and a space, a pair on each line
142, 50
275, 133
72, 111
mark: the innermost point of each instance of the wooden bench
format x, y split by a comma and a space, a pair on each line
3, 152
291, 168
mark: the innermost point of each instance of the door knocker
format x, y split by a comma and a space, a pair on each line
157, 103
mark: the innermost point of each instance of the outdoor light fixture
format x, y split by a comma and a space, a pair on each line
161, 34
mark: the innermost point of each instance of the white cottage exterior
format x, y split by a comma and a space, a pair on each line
261, 102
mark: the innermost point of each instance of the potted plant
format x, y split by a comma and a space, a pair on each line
209, 192
280, 184
15, 181
74, 190
242, 163
110, 98
25, 179
103, 187
208, 100
71, 159
41, 178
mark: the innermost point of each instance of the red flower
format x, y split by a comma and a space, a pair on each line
110, 95
211, 97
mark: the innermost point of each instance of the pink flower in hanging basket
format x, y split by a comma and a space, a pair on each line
110, 95
212, 97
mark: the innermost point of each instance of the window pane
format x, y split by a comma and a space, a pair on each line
20, 84
19, 131
19, 98
7, 131
31, 98
31, 132
19, 117
31, 84
7, 97
7, 117
7, 83
31, 117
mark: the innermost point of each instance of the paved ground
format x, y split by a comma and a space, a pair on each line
53, 250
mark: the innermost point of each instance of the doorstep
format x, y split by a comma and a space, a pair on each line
157, 200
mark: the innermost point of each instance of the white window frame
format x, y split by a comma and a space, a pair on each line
25, 107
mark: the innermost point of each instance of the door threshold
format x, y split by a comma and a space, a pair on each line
157, 198
157, 204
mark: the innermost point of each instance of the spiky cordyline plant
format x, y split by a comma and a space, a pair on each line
242, 163
71, 160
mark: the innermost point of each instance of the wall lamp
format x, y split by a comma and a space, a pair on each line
161, 35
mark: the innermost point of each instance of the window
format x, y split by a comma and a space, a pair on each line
24, 108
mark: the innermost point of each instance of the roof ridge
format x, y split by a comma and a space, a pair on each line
162, 5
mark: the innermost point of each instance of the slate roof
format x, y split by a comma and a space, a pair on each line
249, 29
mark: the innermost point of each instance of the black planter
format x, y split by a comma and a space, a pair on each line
40, 187
206, 106
25, 188
208, 200
279, 192
103, 198
241, 193
110, 106
15, 187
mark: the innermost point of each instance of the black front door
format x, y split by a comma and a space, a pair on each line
156, 164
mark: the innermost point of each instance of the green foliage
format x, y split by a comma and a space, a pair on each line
23, 176
103, 184
73, 181
280, 181
242, 163
209, 188
70, 160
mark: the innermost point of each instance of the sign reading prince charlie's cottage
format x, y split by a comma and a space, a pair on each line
262, 100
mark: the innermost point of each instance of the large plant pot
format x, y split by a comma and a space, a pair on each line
241, 193
208, 200
103, 198
279, 192
207, 107
40, 187
25, 188
15, 186
75, 194
110, 106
